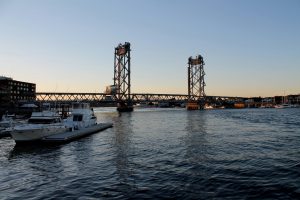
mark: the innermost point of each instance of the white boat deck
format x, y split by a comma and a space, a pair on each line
72, 135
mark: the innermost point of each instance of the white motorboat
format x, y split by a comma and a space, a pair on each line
40, 124
284, 106
82, 116
208, 107
81, 123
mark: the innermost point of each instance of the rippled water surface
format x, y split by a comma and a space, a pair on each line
164, 153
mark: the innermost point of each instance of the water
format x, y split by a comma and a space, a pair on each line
164, 154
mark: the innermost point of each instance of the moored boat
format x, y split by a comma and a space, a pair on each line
7, 123
81, 122
40, 124
82, 116
284, 106
49, 128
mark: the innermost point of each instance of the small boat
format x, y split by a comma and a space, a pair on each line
142, 105
208, 107
6, 121
285, 103
284, 106
40, 124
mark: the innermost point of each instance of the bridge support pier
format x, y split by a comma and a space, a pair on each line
124, 107
192, 105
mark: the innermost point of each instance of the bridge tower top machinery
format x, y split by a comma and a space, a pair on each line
122, 77
196, 82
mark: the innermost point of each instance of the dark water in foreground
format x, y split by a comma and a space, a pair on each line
164, 154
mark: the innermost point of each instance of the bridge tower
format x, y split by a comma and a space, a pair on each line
196, 83
122, 77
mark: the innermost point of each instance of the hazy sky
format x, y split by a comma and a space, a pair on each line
250, 48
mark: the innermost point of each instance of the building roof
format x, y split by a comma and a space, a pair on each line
5, 78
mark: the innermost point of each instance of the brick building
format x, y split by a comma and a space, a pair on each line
12, 91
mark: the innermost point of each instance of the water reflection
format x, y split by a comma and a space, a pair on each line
195, 138
33, 166
122, 144
197, 155
33, 149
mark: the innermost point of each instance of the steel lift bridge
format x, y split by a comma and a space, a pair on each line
120, 92
196, 84
122, 86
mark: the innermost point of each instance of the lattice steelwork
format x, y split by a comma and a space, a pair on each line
136, 97
122, 72
196, 78
69, 97
140, 97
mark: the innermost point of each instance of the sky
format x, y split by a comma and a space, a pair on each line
250, 48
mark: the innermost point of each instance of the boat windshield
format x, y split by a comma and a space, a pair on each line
77, 118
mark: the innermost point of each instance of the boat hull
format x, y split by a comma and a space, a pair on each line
35, 133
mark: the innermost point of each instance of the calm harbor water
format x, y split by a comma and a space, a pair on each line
164, 154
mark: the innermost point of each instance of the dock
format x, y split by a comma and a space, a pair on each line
73, 135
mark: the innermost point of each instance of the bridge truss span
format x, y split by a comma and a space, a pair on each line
140, 97
102, 99
70, 97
